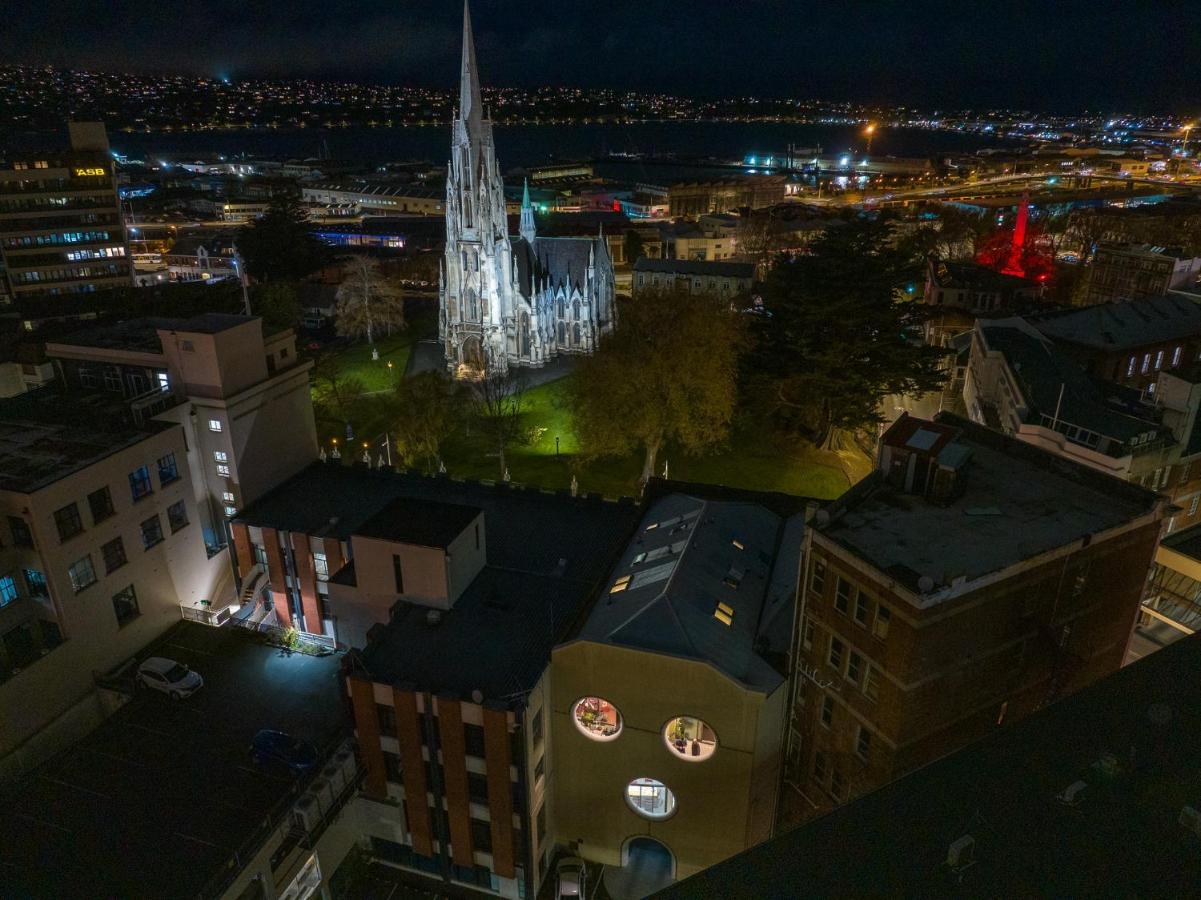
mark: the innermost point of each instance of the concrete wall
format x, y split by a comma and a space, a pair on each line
721, 805
423, 570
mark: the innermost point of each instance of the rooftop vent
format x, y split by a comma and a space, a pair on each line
962, 853
433, 617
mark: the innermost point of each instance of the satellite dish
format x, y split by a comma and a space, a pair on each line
925, 584
477, 696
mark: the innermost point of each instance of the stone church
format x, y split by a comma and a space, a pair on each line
507, 300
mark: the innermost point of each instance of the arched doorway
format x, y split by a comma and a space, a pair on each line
647, 866
471, 353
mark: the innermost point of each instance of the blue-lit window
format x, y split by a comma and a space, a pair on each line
8, 590
36, 582
139, 483
168, 471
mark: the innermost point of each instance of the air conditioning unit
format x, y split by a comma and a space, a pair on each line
336, 777
1190, 818
1072, 794
346, 759
307, 813
962, 852
321, 790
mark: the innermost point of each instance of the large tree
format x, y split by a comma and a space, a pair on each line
369, 304
667, 373
496, 404
277, 303
279, 246
840, 337
428, 409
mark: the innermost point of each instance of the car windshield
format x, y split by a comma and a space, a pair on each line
176, 673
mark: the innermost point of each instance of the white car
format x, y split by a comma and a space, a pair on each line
172, 678
571, 877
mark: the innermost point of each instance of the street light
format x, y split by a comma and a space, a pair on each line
869, 131
1184, 145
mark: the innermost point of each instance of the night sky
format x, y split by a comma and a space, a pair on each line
1051, 55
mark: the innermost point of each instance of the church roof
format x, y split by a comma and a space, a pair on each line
564, 260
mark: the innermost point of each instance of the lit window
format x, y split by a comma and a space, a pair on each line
321, 565
223, 471
1146, 362
227, 496
618, 586
82, 574
220, 456
883, 621
652, 526
139, 482
871, 683
724, 613
8, 590
650, 798
737, 543
1176, 356
164, 384
641, 557
689, 738
214, 424
1158, 360
231, 510
597, 719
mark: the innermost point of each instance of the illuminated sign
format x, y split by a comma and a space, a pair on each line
80, 173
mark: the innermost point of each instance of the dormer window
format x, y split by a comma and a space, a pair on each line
724, 613
620, 584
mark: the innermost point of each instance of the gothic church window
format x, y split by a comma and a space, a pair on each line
562, 333
575, 310
473, 306
575, 334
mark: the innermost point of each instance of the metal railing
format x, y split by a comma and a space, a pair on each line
205, 616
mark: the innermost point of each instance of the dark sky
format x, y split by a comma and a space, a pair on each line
1109, 55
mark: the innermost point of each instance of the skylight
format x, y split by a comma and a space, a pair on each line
724, 613
620, 584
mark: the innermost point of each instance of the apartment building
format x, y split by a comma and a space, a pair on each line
101, 543
721, 279
960, 292
241, 397
454, 594
970, 580
1127, 271
61, 230
669, 701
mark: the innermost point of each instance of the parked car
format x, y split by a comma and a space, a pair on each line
570, 876
276, 748
172, 678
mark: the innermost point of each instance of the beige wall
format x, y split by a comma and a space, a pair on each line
174, 571
721, 801
422, 568
217, 365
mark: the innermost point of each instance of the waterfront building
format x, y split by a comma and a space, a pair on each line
61, 229
509, 300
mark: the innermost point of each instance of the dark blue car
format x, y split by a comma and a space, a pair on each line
279, 749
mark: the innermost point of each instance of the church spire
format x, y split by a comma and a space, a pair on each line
528, 230
471, 107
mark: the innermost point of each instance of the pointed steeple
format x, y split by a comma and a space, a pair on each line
471, 107
528, 230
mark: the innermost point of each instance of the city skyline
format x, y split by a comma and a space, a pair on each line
922, 54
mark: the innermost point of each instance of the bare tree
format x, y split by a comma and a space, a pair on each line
369, 303
496, 401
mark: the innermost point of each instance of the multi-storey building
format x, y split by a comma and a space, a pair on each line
1129, 271
968, 581
721, 279
669, 701
455, 592
61, 230
367, 198
241, 397
101, 544
207, 257
959, 292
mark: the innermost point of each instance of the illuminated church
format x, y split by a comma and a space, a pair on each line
506, 300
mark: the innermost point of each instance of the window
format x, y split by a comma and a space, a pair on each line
838, 785
139, 483
321, 566
386, 716
827, 713
854, 667
481, 836
863, 608
177, 516
842, 596
152, 532
817, 581
167, 470
473, 740
1176, 356
724, 613
536, 728
1130, 367
540, 770
689, 738
821, 767
863, 743
836, 650
1158, 359
1146, 363
650, 798
597, 719
82, 574
1192, 507
620, 584
35, 581
477, 787
808, 629
871, 683
541, 824
398, 574
125, 605
8, 590
114, 555
231, 511
22, 536
223, 471
392, 768
214, 424
220, 456
101, 504
883, 621
68, 521
228, 496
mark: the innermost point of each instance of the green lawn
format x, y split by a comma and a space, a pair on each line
754, 459
355, 361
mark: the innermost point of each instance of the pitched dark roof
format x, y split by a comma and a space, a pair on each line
1125, 325
699, 267
426, 523
565, 259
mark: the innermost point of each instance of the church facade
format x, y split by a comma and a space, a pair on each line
509, 300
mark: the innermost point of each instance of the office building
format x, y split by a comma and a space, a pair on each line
670, 700
1093, 796
366, 198
968, 581
61, 229
1127, 271
721, 279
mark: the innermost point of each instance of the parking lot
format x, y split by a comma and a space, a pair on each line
157, 799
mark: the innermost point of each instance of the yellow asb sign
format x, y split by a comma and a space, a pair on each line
79, 173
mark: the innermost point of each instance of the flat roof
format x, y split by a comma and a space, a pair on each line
426, 523
157, 800
141, 334
1134, 738
49, 434
1019, 502
715, 268
1124, 325
700, 580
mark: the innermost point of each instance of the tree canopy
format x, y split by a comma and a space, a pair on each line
368, 302
667, 373
279, 246
428, 409
277, 303
840, 337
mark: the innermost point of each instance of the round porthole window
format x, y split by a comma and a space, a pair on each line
650, 798
597, 719
689, 738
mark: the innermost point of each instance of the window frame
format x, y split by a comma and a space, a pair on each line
69, 515
104, 554
107, 510
78, 587
140, 476
158, 529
